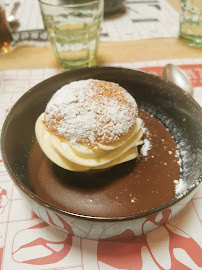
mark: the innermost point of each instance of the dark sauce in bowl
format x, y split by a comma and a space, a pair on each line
126, 189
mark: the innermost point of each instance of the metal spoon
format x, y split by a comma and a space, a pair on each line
11, 18
175, 75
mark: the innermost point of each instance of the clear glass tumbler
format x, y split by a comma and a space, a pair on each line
7, 42
74, 30
191, 22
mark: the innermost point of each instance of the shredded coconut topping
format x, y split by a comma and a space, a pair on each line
91, 111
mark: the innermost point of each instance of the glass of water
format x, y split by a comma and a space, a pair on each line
191, 22
74, 30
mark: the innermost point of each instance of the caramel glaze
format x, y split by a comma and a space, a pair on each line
126, 189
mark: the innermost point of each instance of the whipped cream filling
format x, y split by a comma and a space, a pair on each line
83, 157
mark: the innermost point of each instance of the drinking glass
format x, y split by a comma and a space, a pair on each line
191, 22
74, 30
7, 42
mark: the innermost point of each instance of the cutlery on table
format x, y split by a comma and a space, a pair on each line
12, 20
175, 75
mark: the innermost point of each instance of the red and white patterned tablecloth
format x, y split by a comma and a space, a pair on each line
28, 243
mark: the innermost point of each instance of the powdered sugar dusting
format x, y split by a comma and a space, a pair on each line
91, 111
186, 153
146, 147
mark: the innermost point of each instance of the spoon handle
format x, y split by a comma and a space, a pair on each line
15, 8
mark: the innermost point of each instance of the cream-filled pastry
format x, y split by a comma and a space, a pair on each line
90, 125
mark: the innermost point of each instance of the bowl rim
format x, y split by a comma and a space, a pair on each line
43, 203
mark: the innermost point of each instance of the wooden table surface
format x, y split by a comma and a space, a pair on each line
109, 52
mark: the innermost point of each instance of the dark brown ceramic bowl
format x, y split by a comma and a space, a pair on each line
168, 103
